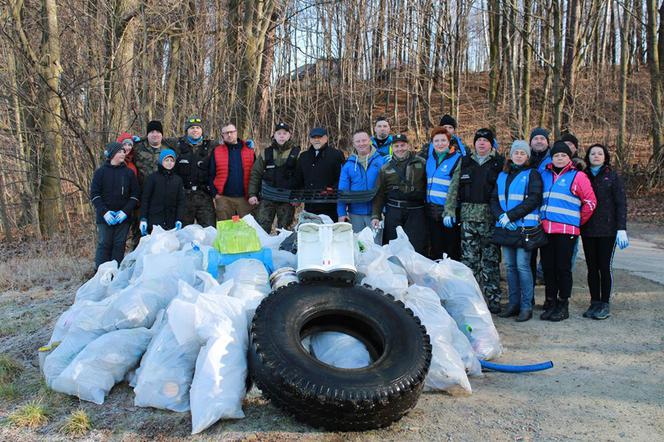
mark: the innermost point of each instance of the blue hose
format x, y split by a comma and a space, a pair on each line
516, 368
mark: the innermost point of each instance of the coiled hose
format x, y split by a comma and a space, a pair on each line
516, 368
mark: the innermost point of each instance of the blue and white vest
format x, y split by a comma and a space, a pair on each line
515, 195
559, 204
439, 178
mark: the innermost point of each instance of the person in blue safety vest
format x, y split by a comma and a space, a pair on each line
382, 140
443, 167
515, 204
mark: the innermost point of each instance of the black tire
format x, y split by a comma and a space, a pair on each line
325, 396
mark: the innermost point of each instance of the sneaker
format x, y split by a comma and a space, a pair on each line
561, 312
494, 307
594, 306
602, 312
524, 315
512, 310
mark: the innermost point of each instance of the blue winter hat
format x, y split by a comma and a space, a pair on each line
166, 153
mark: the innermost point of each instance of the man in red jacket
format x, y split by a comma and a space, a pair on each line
230, 168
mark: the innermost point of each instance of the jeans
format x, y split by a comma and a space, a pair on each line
111, 242
519, 277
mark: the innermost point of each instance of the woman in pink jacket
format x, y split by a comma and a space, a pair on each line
568, 202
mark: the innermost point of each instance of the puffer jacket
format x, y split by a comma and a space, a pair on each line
611, 212
354, 177
113, 188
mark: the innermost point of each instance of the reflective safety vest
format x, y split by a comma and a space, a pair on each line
439, 177
514, 195
559, 204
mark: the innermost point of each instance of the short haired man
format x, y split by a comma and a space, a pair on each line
359, 172
401, 186
539, 148
275, 166
319, 168
230, 168
382, 140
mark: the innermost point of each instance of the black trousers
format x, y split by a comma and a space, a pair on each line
599, 257
111, 242
443, 239
198, 208
413, 223
557, 266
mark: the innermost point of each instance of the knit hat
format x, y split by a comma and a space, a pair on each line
111, 149
193, 121
124, 136
571, 138
440, 130
561, 147
448, 120
484, 133
282, 126
539, 131
166, 153
155, 125
520, 145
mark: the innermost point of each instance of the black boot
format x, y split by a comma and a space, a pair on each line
494, 307
561, 312
512, 310
524, 316
594, 306
602, 311
549, 308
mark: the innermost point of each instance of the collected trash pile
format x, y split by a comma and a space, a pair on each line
175, 319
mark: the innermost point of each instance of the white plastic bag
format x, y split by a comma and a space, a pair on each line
251, 283
102, 363
447, 371
62, 355
95, 288
339, 350
458, 290
267, 240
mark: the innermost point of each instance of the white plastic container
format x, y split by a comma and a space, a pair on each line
325, 250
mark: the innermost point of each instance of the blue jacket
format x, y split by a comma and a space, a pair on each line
354, 177
386, 149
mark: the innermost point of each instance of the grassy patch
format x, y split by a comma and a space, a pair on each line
9, 392
77, 424
10, 369
31, 415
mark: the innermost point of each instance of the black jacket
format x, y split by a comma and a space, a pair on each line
319, 172
476, 183
532, 199
536, 158
163, 199
113, 188
193, 163
611, 212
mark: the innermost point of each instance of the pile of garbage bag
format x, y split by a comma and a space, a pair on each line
179, 335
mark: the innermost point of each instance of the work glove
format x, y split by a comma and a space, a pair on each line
449, 221
178, 225
504, 220
143, 225
621, 239
136, 138
120, 216
250, 143
511, 226
109, 217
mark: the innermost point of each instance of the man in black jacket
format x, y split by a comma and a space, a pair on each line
193, 167
319, 168
114, 193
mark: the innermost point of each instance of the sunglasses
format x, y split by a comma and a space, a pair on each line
194, 120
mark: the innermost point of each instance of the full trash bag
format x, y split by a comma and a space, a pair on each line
447, 371
269, 241
95, 288
374, 262
459, 292
339, 350
236, 236
102, 363
251, 283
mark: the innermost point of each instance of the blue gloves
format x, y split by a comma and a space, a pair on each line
136, 138
109, 217
511, 226
120, 217
143, 225
178, 225
621, 239
449, 221
504, 220
250, 143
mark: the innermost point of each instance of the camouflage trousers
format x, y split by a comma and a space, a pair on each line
198, 208
482, 256
267, 210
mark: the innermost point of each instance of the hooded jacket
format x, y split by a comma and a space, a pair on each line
113, 188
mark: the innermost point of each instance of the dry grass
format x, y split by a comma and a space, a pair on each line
31, 415
78, 423
10, 369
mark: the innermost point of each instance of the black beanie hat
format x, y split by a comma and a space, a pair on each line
193, 121
561, 147
111, 149
484, 133
155, 125
448, 120
569, 137
539, 131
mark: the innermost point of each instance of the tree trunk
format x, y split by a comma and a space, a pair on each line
525, 70
569, 65
657, 111
493, 8
624, 61
171, 84
557, 92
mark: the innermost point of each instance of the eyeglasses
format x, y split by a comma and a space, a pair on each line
228, 132
194, 120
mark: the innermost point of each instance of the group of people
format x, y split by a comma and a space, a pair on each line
471, 204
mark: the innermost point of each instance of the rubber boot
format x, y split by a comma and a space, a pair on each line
561, 312
549, 308
511, 310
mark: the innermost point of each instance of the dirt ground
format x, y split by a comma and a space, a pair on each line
607, 382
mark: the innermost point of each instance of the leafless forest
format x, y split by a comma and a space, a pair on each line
74, 74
